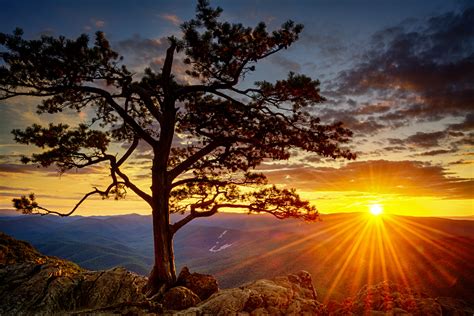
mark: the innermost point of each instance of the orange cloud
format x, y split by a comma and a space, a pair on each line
408, 178
99, 23
174, 19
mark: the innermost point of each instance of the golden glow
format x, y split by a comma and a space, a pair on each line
376, 209
353, 201
352, 250
62, 193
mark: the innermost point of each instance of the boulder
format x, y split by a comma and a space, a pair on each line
178, 298
110, 287
203, 285
290, 295
428, 306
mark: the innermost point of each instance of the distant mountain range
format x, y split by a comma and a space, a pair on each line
434, 255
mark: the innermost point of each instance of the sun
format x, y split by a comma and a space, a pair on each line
375, 209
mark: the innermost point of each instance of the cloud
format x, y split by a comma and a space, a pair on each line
420, 139
362, 126
460, 162
48, 171
328, 42
172, 18
426, 140
17, 168
7, 188
21, 192
465, 141
143, 151
94, 23
452, 139
466, 125
436, 152
369, 109
398, 148
429, 70
142, 146
408, 178
285, 63
141, 52
99, 23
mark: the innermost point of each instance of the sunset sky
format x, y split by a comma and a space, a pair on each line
399, 74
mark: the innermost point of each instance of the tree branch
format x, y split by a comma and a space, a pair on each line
145, 97
201, 88
75, 207
128, 152
199, 180
166, 71
105, 94
29, 205
279, 209
11, 94
249, 179
186, 164
127, 118
194, 214
146, 197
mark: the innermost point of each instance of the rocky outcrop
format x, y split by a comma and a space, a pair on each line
290, 295
203, 285
14, 251
31, 283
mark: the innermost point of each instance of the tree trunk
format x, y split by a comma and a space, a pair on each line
163, 274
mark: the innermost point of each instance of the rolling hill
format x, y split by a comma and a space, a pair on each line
343, 252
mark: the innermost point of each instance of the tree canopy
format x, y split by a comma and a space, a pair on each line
226, 129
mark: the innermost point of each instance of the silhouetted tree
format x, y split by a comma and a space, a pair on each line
226, 130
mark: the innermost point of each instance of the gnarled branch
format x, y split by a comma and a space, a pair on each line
28, 205
186, 164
